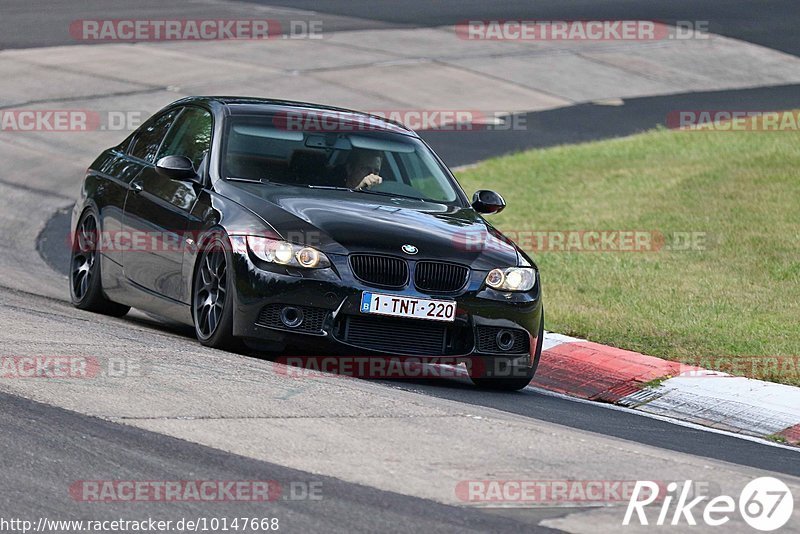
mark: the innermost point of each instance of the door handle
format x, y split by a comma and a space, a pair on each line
136, 187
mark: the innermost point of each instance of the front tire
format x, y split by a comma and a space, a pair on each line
212, 295
513, 377
85, 280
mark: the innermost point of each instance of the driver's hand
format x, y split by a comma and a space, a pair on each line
369, 180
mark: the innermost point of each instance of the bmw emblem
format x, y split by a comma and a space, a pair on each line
410, 249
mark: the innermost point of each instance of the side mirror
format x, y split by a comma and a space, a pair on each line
486, 201
177, 168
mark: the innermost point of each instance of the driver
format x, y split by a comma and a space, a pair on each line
362, 168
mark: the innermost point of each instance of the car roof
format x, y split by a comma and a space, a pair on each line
240, 105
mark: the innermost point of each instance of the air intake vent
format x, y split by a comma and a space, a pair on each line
396, 335
383, 271
493, 339
312, 318
440, 277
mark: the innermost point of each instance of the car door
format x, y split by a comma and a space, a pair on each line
157, 208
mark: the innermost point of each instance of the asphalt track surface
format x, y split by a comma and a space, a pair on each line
772, 23
47, 448
591, 122
31, 24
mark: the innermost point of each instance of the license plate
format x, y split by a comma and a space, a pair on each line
414, 308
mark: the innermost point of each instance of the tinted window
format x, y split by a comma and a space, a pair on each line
150, 135
190, 136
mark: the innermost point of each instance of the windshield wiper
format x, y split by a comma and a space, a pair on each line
369, 191
330, 187
386, 194
246, 180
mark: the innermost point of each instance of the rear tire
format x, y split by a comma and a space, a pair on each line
513, 377
85, 280
212, 295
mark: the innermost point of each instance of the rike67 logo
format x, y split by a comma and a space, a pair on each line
766, 504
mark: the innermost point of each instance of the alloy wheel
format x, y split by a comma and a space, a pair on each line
211, 290
84, 255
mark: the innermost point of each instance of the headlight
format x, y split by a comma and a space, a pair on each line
511, 279
283, 253
308, 257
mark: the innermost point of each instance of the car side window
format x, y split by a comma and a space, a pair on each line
190, 136
147, 141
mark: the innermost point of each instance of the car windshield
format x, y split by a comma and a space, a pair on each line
268, 149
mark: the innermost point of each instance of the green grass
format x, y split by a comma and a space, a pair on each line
738, 296
777, 439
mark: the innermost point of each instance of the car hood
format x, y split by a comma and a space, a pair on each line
344, 222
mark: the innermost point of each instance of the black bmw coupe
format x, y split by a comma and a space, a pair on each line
300, 228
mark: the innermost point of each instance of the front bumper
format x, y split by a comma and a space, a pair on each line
331, 299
